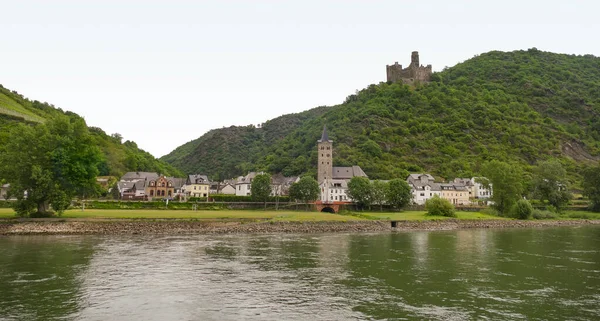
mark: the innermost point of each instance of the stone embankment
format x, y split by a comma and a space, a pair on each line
66, 227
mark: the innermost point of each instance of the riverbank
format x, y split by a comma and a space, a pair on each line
122, 226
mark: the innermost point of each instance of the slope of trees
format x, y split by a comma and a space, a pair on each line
517, 107
116, 157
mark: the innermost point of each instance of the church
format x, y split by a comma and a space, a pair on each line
333, 181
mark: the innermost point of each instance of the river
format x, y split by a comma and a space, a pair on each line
503, 274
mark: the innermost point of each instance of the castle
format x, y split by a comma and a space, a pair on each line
414, 72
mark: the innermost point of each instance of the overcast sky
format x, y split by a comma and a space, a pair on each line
162, 73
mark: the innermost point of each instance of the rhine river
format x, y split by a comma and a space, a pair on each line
504, 274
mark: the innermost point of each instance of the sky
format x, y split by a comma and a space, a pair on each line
162, 73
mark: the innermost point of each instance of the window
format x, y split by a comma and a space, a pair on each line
151, 193
194, 188
422, 194
327, 155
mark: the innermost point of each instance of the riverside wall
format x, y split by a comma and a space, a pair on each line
123, 226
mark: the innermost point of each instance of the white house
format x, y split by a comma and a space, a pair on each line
334, 190
243, 184
481, 192
423, 187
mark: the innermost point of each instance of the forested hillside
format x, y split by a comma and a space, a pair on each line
117, 157
518, 107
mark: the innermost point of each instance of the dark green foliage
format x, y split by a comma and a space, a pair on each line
53, 162
305, 190
506, 181
116, 157
379, 191
515, 107
591, 186
360, 191
550, 183
543, 215
522, 210
261, 187
437, 206
398, 193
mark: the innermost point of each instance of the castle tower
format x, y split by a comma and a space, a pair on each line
325, 157
414, 59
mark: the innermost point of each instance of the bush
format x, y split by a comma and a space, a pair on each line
543, 215
522, 210
437, 206
490, 211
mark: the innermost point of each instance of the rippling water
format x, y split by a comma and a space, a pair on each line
528, 274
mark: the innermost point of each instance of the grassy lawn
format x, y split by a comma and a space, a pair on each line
213, 215
420, 216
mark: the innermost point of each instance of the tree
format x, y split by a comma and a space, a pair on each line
437, 206
591, 186
522, 210
550, 183
261, 188
51, 162
398, 193
114, 191
360, 191
306, 189
506, 182
378, 193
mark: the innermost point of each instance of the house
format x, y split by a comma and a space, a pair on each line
479, 191
280, 185
161, 187
455, 193
226, 187
197, 186
132, 185
333, 180
334, 190
243, 184
423, 187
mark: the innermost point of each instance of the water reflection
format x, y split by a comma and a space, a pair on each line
548, 274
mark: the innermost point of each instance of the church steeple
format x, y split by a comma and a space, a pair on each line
324, 136
324, 157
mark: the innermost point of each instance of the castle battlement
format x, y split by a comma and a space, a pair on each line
414, 72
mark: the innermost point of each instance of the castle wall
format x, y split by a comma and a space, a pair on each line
414, 72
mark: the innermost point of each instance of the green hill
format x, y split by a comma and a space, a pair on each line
118, 157
519, 107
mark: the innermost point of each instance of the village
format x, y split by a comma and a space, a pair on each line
333, 182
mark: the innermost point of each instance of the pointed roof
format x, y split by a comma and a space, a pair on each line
324, 136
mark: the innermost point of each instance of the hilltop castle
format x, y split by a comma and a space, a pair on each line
414, 72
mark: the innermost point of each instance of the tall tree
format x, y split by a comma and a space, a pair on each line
550, 183
591, 186
360, 191
261, 188
378, 193
305, 190
398, 193
506, 182
51, 162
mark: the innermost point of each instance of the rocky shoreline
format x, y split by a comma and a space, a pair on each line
123, 227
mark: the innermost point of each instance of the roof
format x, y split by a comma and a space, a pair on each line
347, 172
248, 178
418, 185
332, 182
279, 179
130, 176
197, 179
417, 177
177, 181
453, 186
324, 136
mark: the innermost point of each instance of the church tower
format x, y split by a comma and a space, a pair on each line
325, 157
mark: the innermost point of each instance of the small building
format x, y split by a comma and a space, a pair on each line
197, 186
455, 193
161, 187
243, 184
334, 190
423, 187
4, 191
